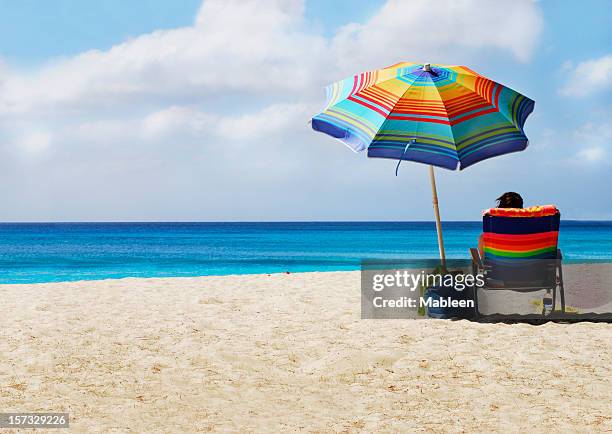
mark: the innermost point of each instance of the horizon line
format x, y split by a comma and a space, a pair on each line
265, 221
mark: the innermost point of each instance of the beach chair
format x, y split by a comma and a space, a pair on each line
520, 252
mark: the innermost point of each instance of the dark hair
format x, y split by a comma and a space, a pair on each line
510, 200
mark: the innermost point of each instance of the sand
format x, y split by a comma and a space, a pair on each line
287, 352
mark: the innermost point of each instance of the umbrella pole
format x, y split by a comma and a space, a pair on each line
434, 194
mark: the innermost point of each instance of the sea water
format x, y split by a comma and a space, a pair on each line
46, 252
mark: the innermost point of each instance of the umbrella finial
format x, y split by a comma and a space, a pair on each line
427, 67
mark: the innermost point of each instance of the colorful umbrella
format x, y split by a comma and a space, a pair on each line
441, 115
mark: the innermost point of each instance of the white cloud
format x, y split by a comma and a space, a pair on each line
273, 119
592, 155
445, 29
588, 77
265, 47
190, 122
233, 46
595, 141
590, 144
166, 122
232, 92
35, 142
600, 132
585, 147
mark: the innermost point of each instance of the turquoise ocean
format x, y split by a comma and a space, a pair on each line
50, 252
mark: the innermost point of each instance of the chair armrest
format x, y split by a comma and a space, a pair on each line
476, 258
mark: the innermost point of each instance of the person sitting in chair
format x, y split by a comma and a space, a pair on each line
514, 200
509, 199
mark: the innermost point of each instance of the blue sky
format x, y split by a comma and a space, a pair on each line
158, 110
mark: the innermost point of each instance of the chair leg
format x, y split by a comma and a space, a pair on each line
476, 313
475, 270
554, 294
560, 283
562, 292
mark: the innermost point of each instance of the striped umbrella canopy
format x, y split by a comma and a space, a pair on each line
435, 114
441, 115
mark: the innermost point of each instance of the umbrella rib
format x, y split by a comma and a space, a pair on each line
375, 128
401, 97
450, 127
485, 100
376, 83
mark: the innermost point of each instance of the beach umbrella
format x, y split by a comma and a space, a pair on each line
440, 115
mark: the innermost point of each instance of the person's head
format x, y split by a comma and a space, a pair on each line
510, 200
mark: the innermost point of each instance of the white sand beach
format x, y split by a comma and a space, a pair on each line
287, 352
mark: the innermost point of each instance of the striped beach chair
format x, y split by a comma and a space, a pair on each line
520, 251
